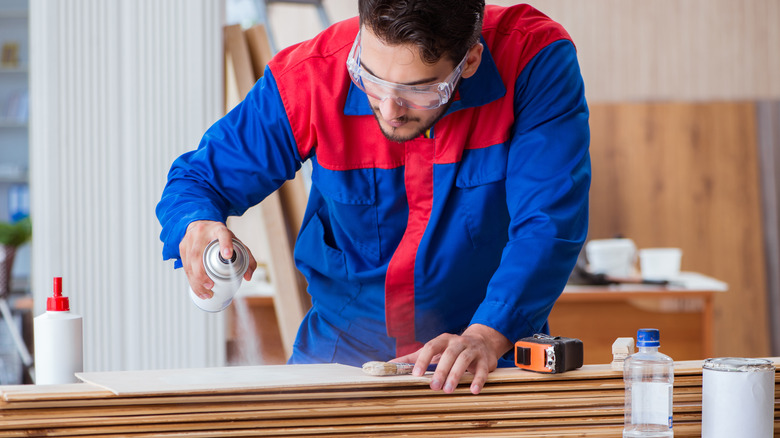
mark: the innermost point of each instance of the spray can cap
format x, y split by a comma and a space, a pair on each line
57, 302
648, 337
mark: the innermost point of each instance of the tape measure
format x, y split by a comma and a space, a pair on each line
548, 354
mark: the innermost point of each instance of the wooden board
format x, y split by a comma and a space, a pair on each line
286, 377
336, 401
222, 379
246, 54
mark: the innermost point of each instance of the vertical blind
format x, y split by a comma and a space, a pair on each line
118, 89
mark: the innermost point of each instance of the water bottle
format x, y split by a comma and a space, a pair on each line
649, 378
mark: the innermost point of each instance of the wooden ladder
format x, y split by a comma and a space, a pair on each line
262, 8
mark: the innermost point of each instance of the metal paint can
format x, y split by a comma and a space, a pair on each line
738, 397
226, 274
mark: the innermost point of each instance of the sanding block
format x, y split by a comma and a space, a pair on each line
548, 354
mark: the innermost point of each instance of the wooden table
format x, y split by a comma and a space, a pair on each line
683, 312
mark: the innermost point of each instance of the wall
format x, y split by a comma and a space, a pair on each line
118, 90
638, 50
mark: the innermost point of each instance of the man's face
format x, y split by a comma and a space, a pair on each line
402, 65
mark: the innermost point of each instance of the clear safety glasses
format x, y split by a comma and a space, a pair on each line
425, 97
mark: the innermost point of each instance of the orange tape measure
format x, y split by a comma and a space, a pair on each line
548, 354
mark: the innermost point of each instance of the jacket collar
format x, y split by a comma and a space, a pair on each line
483, 87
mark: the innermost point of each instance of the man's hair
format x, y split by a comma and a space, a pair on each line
438, 28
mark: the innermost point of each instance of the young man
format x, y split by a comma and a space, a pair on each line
449, 145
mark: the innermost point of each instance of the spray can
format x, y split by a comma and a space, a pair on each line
226, 274
58, 340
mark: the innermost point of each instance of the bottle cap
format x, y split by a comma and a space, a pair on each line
57, 302
648, 338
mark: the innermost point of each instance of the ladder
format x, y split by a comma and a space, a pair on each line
262, 8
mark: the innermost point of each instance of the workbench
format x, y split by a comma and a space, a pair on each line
336, 400
682, 311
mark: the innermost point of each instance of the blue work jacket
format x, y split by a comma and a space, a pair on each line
480, 221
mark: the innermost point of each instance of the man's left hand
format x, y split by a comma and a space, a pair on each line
476, 350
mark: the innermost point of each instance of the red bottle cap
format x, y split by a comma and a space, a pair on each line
57, 302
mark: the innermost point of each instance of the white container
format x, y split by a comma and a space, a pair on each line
649, 379
660, 263
58, 340
738, 397
612, 257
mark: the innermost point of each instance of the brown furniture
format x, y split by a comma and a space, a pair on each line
598, 315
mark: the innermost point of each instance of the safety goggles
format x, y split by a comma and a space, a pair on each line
424, 97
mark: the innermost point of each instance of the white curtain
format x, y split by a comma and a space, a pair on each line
118, 89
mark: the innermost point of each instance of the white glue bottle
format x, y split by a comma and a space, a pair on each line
58, 340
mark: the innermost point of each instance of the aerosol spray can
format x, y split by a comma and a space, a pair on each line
226, 274
58, 337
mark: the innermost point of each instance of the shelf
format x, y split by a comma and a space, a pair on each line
10, 178
15, 70
21, 13
13, 124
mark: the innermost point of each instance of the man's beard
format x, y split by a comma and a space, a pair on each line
393, 136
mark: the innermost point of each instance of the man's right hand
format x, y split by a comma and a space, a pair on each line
199, 234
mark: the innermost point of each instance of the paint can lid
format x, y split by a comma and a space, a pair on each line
738, 364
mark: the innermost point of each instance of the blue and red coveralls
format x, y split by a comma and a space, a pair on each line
480, 221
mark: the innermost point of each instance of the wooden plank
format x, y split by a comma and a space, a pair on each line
589, 400
244, 54
222, 379
259, 48
308, 376
281, 227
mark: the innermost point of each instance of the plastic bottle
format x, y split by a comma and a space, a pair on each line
58, 340
649, 379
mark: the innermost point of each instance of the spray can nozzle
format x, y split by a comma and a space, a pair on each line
232, 259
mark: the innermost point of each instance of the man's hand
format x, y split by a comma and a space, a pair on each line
199, 234
477, 351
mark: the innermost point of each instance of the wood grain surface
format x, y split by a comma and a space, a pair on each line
686, 175
334, 400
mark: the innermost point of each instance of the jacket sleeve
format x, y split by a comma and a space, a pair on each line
241, 159
547, 184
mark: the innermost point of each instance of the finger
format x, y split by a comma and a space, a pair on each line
460, 365
199, 282
225, 237
444, 367
426, 356
481, 372
197, 236
252, 265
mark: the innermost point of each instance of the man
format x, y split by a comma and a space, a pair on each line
449, 147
